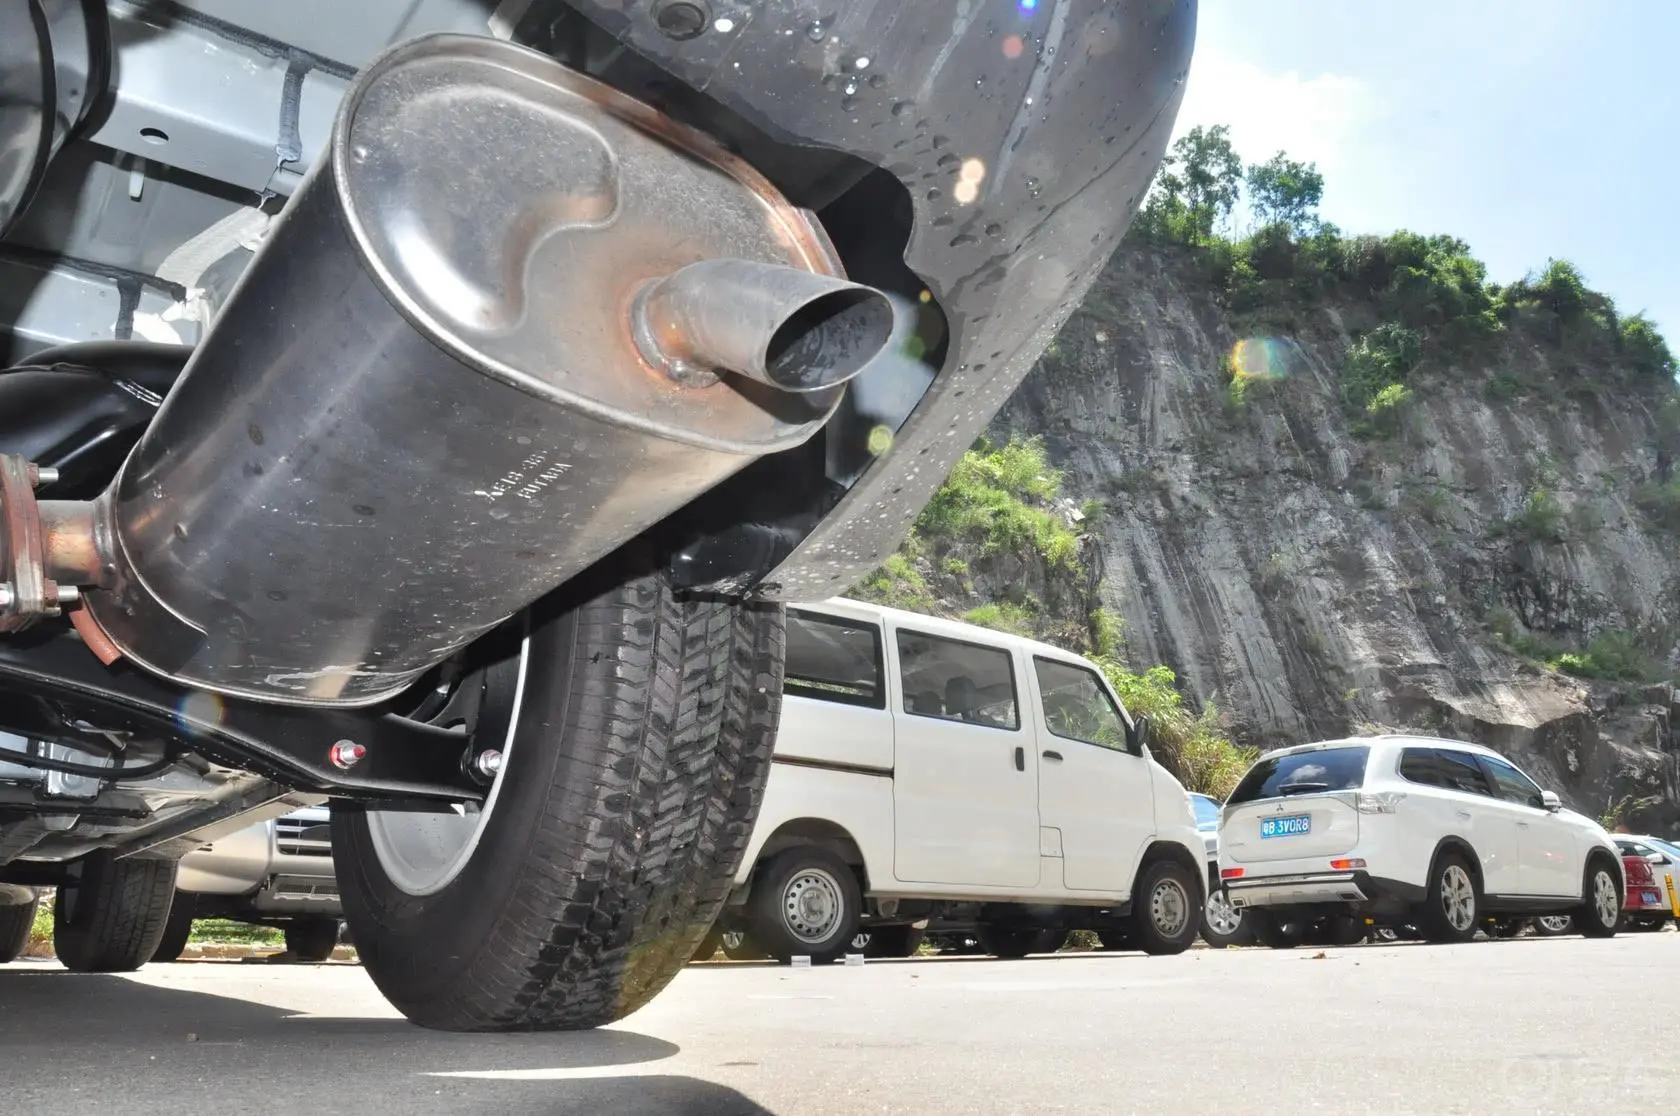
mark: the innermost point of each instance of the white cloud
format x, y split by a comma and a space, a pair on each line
1315, 118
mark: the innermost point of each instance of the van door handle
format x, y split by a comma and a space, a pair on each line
1052, 754
1463, 815
1522, 825
1020, 758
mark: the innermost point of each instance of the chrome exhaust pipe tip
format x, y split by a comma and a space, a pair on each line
795, 330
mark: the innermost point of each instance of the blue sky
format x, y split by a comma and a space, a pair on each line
1531, 129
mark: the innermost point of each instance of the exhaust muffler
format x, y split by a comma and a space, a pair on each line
513, 320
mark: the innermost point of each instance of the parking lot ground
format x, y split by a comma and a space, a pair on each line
1530, 1025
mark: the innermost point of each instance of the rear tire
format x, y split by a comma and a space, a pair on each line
1337, 930
177, 929
893, 941
1600, 912
1115, 941
1011, 943
110, 914
1166, 908
739, 946
1451, 911
806, 903
312, 939
16, 921
1279, 933
636, 746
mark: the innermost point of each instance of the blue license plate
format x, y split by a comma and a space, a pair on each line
1292, 826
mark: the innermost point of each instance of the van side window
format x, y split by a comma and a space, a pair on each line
831, 659
957, 681
1076, 707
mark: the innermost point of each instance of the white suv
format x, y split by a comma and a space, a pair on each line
1439, 833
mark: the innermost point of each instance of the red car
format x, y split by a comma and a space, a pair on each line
1645, 901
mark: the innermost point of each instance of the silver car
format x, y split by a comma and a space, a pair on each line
276, 873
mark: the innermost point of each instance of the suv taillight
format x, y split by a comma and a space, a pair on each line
1377, 802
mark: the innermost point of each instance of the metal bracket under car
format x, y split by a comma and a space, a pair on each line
390, 758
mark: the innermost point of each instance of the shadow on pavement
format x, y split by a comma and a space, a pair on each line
74, 1043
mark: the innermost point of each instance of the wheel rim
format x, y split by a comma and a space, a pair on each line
1606, 902
420, 853
732, 940
1458, 898
1169, 908
860, 940
812, 905
1222, 918
1557, 924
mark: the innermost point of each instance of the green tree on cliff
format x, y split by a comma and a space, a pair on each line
1200, 181
1284, 191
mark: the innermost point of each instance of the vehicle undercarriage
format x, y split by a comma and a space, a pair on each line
425, 405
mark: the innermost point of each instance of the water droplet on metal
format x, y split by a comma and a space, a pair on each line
816, 31
724, 25
948, 160
900, 108
876, 81
994, 229
861, 64
851, 88
847, 104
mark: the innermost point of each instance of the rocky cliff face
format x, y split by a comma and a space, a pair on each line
1314, 576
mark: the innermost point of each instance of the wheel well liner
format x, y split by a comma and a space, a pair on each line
1454, 843
814, 831
1172, 850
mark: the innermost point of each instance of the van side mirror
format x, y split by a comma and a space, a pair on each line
1138, 738
1551, 801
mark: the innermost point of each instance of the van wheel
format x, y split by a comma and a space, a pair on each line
1600, 912
109, 915
893, 941
1550, 926
739, 946
1166, 908
311, 939
1451, 911
177, 930
635, 732
1224, 925
1011, 943
806, 903
16, 921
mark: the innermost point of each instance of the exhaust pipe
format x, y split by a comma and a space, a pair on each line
437, 394
781, 326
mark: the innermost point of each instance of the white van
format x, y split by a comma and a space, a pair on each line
930, 769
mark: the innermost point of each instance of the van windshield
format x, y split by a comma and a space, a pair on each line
1327, 769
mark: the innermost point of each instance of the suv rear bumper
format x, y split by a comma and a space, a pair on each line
1359, 891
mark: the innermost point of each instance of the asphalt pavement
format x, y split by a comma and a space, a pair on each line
1560, 1025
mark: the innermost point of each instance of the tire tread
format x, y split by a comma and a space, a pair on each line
635, 848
